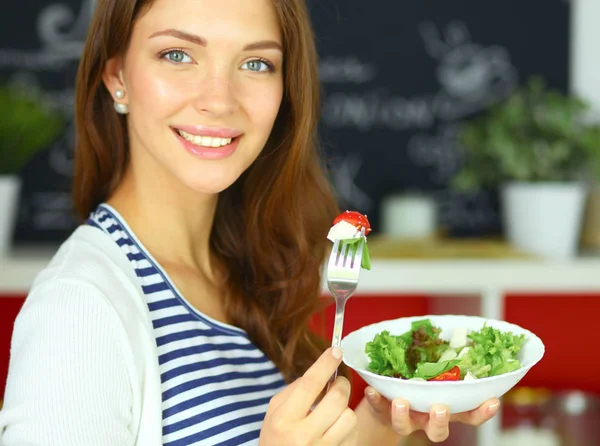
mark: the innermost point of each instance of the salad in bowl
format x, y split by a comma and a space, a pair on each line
422, 354
455, 360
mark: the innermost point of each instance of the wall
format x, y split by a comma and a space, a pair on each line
585, 57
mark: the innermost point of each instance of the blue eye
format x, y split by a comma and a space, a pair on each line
257, 65
177, 56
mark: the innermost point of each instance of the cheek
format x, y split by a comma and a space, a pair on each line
155, 93
263, 104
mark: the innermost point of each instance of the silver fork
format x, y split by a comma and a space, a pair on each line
343, 271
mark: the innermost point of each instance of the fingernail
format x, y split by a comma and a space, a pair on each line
492, 408
371, 393
400, 407
440, 415
337, 353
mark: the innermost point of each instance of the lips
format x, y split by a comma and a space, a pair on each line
207, 146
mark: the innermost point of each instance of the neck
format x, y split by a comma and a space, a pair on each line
172, 221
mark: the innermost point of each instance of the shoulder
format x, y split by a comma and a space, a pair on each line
88, 270
89, 256
90, 259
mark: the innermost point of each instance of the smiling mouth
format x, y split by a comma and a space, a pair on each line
205, 141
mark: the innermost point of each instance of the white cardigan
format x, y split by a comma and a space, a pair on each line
83, 367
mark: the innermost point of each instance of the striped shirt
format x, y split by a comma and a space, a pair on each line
216, 384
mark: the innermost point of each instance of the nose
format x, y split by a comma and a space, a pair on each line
216, 96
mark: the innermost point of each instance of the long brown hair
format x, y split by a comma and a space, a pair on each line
270, 226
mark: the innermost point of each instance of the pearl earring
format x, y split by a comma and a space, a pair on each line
122, 109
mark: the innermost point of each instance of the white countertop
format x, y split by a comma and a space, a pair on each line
397, 276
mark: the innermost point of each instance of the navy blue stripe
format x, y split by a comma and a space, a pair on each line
215, 395
145, 272
182, 352
212, 414
185, 334
136, 256
103, 218
155, 287
170, 320
162, 304
241, 439
113, 228
124, 241
203, 435
223, 377
217, 362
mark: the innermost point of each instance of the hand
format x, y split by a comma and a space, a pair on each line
290, 421
403, 421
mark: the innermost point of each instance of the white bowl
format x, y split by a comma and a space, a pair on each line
459, 396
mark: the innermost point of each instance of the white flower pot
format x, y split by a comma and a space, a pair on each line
544, 219
10, 186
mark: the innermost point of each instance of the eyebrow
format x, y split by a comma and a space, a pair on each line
260, 45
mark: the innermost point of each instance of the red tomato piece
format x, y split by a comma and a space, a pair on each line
451, 375
354, 218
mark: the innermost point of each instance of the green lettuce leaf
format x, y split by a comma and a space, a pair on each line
424, 344
428, 370
474, 361
387, 354
353, 246
491, 352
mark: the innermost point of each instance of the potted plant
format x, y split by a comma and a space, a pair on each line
539, 151
27, 126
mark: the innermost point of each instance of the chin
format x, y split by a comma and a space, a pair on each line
212, 182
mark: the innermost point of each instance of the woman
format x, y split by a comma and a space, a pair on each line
177, 314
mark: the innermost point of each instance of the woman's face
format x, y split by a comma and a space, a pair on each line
203, 82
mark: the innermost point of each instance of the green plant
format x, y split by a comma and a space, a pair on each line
535, 135
26, 127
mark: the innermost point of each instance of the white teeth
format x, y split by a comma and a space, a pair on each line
204, 141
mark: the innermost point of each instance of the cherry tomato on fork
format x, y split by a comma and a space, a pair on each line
354, 218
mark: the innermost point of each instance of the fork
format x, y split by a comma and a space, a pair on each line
343, 271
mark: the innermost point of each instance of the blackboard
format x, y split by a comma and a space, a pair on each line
40, 45
397, 77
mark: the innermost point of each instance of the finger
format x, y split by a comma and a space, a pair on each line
437, 429
480, 415
312, 383
401, 421
341, 430
281, 396
330, 408
351, 439
379, 404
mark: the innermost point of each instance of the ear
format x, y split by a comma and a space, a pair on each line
113, 79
